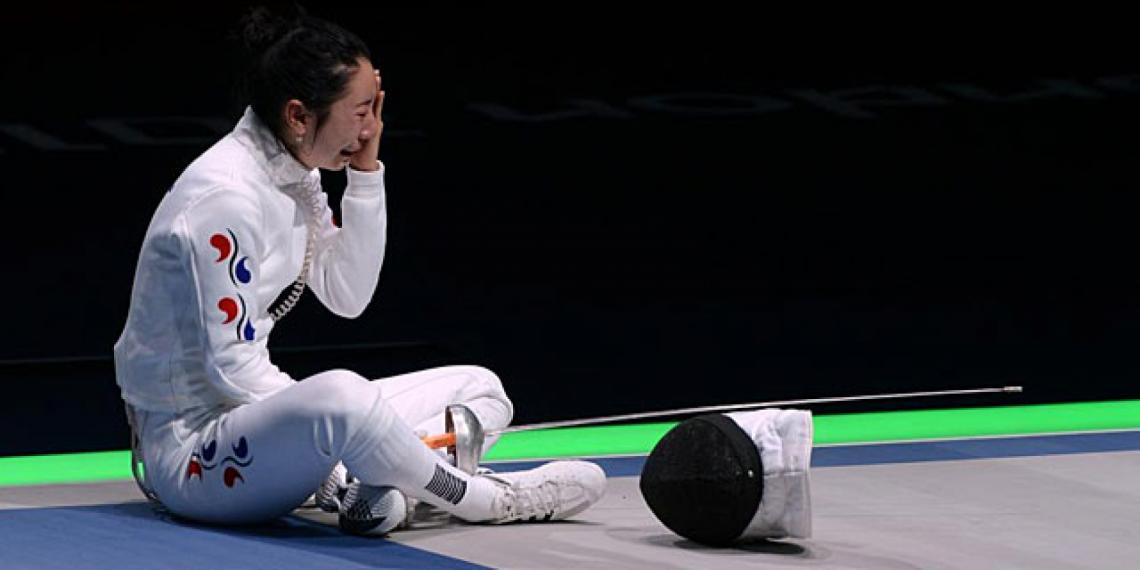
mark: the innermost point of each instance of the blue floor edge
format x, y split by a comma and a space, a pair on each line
134, 535
908, 452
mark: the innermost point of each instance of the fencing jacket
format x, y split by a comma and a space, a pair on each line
226, 240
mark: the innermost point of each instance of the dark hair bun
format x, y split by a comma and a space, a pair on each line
262, 27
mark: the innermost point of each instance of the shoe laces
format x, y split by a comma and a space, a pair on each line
533, 503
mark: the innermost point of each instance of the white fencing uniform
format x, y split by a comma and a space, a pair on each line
228, 437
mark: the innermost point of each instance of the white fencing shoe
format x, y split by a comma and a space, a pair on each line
550, 492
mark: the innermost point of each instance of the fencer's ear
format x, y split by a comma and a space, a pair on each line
297, 119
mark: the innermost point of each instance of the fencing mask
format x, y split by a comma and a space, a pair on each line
719, 478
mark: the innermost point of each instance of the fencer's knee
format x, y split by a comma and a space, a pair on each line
485, 378
492, 386
341, 392
347, 412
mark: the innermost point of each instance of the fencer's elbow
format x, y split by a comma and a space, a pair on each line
351, 311
353, 314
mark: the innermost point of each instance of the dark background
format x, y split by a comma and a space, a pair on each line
622, 208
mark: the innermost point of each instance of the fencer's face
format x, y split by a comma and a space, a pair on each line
350, 123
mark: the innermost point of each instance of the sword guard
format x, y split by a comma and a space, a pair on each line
467, 435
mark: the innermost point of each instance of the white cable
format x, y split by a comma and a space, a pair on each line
311, 222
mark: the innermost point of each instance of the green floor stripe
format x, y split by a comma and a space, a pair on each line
977, 422
845, 428
640, 438
65, 468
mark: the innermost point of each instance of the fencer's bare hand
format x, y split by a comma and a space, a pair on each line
366, 158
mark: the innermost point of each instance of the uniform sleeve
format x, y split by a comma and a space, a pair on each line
347, 259
224, 238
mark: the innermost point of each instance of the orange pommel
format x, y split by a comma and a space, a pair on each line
440, 440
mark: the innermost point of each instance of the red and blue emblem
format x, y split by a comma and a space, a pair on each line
229, 250
234, 308
203, 460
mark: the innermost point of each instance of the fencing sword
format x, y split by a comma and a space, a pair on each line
463, 419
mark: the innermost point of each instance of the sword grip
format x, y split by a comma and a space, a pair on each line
439, 440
